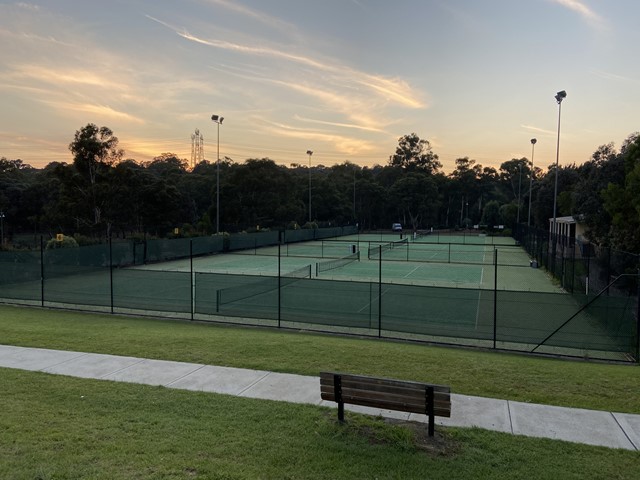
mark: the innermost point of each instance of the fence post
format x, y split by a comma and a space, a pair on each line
111, 273
380, 292
192, 280
638, 318
279, 285
41, 271
495, 296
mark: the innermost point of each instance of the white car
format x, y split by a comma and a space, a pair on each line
396, 227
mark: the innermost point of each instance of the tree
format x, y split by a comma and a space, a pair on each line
94, 151
416, 195
491, 214
622, 202
414, 154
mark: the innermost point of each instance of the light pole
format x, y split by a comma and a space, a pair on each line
218, 119
309, 152
533, 142
519, 189
559, 97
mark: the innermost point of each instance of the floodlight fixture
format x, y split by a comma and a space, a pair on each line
561, 95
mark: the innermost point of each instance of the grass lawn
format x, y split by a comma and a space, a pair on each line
490, 374
56, 427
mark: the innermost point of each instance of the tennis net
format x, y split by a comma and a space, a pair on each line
375, 252
337, 263
225, 296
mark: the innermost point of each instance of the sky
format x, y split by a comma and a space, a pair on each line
342, 78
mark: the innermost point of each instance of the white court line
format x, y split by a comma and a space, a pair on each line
368, 304
480, 290
411, 272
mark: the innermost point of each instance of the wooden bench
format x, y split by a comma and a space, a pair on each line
385, 393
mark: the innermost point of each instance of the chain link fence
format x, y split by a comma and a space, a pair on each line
587, 317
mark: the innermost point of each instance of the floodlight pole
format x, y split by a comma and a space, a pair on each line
559, 97
218, 119
309, 152
519, 189
533, 143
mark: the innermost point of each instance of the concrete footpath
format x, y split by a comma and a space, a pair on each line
593, 427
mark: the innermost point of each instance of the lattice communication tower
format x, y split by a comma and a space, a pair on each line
197, 149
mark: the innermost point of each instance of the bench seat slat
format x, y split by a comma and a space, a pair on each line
419, 395
440, 409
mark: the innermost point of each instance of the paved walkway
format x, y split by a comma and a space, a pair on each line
615, 430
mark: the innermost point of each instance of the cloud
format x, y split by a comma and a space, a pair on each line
344, 144
103, 111
390, 89
66, 77
28, 6
268, 20
610, 76
531, 128
338, 124
583, 10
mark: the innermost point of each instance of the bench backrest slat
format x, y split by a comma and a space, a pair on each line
385, 393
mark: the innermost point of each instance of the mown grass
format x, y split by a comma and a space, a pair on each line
473, 372
55, 427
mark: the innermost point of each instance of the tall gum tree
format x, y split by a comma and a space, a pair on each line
95, 150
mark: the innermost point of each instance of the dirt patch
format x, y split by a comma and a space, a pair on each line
401, 434
440, 444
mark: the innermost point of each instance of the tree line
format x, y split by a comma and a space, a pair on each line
102, 193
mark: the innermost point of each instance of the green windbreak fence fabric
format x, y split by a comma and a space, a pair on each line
440, 312
207, 245
253, 240
606, 324
77, 276
529, 317
152, 290
330, 302
20, 275
161, 250
522, 320
292, 236
236, 295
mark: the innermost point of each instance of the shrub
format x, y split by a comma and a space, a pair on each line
64, 242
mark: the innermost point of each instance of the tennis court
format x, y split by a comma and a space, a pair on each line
480, 292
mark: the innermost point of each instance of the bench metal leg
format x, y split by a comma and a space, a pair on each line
337, 388
430, 412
